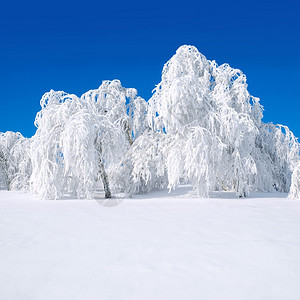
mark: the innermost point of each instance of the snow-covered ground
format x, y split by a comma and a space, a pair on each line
157, 246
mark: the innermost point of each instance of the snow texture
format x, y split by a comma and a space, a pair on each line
155, 246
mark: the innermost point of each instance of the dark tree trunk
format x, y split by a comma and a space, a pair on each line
104, 179
101, 169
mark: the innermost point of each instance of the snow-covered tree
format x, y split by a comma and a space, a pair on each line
143, 168
295, 183
201, 126
15, 165
23, 165
276, 155
213, 125
238, 129
122, 122
183, 109
205, 112
79, 140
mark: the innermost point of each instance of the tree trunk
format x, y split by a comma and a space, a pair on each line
101, 169
104, 178
128, 132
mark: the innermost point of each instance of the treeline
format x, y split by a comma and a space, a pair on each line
201, 126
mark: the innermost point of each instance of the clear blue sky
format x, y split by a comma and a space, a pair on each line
74, 46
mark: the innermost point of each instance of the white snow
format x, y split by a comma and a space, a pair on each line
156, 246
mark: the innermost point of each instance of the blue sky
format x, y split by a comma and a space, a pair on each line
74, 46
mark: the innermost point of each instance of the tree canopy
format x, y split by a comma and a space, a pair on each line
201, 126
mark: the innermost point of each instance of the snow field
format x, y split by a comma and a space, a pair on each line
157, 246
